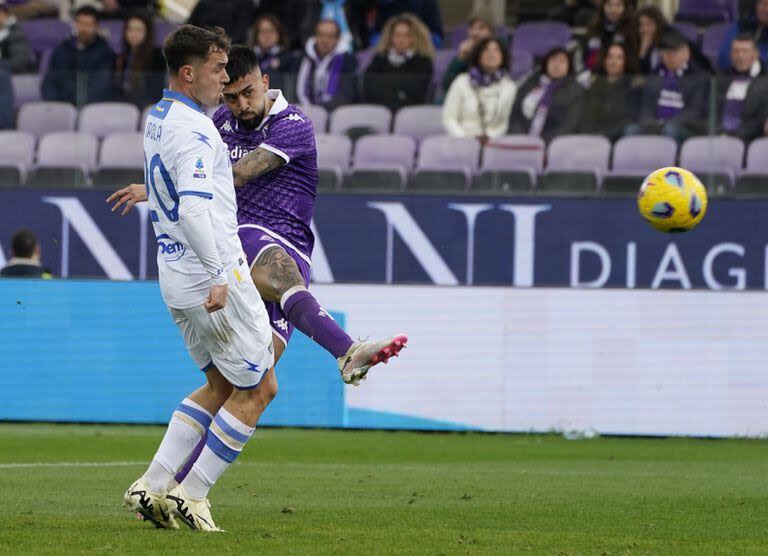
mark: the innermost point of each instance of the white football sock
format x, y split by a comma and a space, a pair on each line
188, 424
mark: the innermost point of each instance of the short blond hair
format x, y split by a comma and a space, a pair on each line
422, 44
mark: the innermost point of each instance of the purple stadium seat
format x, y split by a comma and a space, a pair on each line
162, 30
446, 163
440, 64
122, 150
26, 88
576, 162
540, 37
333, 156
634, 158
377, 119
461, 32
46, 33
713, 39
717, 156
511, 163
67, 149
639, 155
689, 31
384, 151
318, 114
754, 178
514, 152
419, 121
17, 152
521, 63
39, 118
103, 118
112, 31
703, 11
364, 58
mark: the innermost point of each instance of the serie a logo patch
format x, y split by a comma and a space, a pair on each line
199, 169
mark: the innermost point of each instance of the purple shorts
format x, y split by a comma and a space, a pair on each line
255, 241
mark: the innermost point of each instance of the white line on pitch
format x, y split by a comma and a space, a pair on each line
71, 464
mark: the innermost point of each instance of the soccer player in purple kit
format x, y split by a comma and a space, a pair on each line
272, 149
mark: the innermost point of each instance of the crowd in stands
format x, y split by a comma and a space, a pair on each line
620, 71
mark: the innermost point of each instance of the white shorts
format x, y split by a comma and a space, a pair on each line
237, 339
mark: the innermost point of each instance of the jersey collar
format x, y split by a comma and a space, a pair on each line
278, 105
182, 98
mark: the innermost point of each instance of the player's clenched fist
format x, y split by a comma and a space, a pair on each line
217, 299
128, 196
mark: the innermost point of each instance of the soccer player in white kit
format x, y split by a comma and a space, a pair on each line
206, 283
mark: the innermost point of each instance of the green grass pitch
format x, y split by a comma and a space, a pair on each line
359, 493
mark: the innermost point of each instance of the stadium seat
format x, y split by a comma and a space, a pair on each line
445, 164
333, 156
163, 29
689, 31
17, 151
576, 164
26, 88
715, 160
521, 62
103, 118
707, 11
358, 119
754, 179
636, 156
318, 114
64, 160
510, 164
419, 121
381, 163
440, 64
538, 38
712, 39
45, 33
112, 31
121, 160
39, 118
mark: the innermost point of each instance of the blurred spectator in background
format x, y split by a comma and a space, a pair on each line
15, 51
756, 24
28, 9
576, 13
269, 46
26, 255
479, 103
674, 102
118, 9
401, 72
327, 72
651, 25
614, 22
140, 67
547, 104
234, 16
742, 93
7, 97
478, 28
80, 70
608, 103
426, 10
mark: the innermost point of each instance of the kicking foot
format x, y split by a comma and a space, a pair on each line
196, 514
363, 355
149, 505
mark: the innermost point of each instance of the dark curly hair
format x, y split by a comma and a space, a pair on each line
477, 52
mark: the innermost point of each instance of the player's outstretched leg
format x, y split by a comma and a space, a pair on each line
147, 494
230, 430
355, 358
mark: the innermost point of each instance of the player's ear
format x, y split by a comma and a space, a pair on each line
265, 81
187, 73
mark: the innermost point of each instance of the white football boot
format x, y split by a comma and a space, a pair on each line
361, 356
150, 505
196, 514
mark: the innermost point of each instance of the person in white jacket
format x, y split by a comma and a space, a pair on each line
479, 102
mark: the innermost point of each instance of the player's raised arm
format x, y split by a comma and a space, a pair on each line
255, 164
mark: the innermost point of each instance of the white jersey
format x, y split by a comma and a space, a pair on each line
185, 155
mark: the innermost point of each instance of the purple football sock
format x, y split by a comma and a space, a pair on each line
303, 310
187, 467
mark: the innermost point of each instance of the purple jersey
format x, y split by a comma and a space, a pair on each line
281, 201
